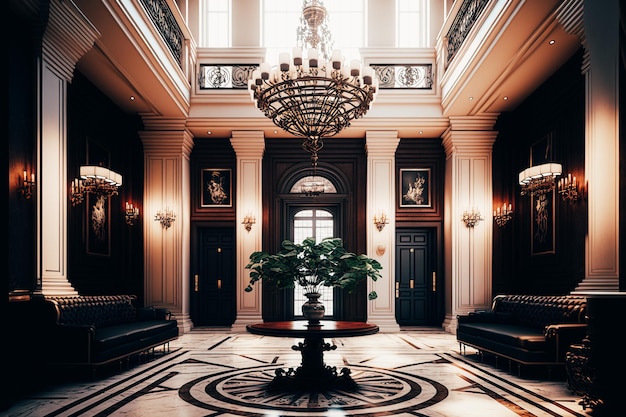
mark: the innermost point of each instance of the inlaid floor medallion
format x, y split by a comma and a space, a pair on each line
378, 391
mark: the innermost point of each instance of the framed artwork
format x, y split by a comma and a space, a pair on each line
415, 187
542, 224
216, 187
97, 208
541, 150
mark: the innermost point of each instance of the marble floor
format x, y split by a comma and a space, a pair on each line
212, 372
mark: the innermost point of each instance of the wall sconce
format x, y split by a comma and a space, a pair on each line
165, 217
502, 215
248, 221
94, 179
27, 185
568, 188
380, 220
471, 218
131, 214
539, 179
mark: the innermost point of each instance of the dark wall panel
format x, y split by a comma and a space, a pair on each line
556, 110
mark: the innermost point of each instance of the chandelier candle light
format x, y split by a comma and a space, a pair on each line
97, 180
539, 179
316, 96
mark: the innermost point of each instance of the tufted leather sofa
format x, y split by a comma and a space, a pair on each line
96, 330
526, 329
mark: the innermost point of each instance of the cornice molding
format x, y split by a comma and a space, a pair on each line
68, 36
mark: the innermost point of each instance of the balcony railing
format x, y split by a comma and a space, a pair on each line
463, 23
166, 24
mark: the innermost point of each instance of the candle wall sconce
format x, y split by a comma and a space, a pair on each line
248, 221
502, 215
131, 214
165, 217
568, 189
26, 184
471, 217
380, 220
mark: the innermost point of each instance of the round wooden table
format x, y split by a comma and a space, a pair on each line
313, 374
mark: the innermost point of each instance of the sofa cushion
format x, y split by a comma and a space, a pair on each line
106, 338
510, 334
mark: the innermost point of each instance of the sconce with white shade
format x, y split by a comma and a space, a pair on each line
568, 188
471, 217
502, 215
94, 179
380, 220
166, 217
131, 214
539, 179
27, 183
248, 221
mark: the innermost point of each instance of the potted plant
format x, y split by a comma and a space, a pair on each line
312, 265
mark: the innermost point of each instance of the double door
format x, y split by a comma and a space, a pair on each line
416, 286
213, 281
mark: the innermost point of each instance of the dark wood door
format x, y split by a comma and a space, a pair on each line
416, 301
213, 284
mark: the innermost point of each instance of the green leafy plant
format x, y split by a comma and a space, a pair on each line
312, 265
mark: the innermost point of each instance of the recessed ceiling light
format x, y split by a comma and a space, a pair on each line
209, 132
471, 98
552, 42
505, 98
421, 132
276, 131
132, 98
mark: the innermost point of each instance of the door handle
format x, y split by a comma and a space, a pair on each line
411, 283
434, 281
195, 283
219, 284
397, 289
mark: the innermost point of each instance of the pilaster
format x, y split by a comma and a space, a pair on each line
249, 147
381, 196
166, 186
468, 143
602, 171
67, 37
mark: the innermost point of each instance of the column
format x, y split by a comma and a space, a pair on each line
167, 146
249, 147
602, 170
67, 37
381, 196
468, 143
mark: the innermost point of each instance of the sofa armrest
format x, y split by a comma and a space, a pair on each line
72, 343
153, 313
163, 313
562, 335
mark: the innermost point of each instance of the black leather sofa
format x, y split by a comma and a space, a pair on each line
526, 329
97, 330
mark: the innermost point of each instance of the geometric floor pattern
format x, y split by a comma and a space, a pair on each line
417, 372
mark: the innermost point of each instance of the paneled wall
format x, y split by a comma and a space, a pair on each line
98, 132
555, 111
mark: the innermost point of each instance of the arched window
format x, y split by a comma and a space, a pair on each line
318, 224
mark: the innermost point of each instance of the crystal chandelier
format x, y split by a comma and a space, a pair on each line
318, 96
